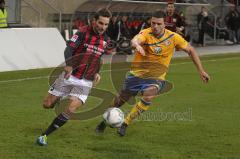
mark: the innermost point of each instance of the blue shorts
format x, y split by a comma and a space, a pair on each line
134, 85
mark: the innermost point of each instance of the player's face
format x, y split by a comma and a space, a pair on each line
203, 9
101, 25
170, 8
157, 25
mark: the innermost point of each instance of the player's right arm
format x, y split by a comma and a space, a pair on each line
72, 45
137, 42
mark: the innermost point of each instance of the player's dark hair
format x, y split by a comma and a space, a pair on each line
103, 13
158, 14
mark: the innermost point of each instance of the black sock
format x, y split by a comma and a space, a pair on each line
59, 121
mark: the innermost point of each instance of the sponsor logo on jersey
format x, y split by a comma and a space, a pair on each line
167, 42
157, 50
94, 49
74, 38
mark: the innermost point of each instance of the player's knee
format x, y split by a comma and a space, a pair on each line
73, 109
47, 104
74, 104
150, 93
148, 98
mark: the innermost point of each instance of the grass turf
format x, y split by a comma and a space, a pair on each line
211, 131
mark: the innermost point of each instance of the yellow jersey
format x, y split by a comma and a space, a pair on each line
158, 53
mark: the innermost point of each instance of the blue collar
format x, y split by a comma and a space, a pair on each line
159, 36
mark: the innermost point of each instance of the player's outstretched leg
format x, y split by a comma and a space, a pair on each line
100, 127
42, 140
60, 120
139, 108
118, 101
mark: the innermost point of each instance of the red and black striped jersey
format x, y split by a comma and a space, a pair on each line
171, 22
87, 48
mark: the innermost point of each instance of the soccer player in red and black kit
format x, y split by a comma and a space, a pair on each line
82, 55
173, 20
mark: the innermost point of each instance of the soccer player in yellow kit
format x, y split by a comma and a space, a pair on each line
154, 49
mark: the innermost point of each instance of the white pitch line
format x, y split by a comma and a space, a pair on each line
174, 64
23, 79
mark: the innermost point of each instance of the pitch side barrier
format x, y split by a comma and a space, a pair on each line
30, 48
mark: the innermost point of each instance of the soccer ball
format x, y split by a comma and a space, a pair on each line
114, 117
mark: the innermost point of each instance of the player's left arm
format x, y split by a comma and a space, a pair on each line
72, 46
181, 43
196, 60
97, 76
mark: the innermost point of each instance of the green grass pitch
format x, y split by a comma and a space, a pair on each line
210, 131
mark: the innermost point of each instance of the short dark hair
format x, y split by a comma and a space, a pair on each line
158, 14
103, 13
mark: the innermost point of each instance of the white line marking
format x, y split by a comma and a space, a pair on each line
174, 64
24, 79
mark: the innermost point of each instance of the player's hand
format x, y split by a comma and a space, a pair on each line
140, 50
204, 76
97, 79
68, 71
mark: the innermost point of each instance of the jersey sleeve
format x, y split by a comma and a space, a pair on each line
72, 45
76, 40
142, 36
180, 42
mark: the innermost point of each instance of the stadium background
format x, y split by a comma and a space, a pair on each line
208, 125
62, 14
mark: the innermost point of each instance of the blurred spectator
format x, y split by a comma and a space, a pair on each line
202, 20
145, 24
113, 29
123, 28
3, 15
235, 2
124, 35
232, 20
91, 21
222, 32
135, 25
184, 31
78, 23
173, 21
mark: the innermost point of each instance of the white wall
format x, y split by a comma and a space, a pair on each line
30, 48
